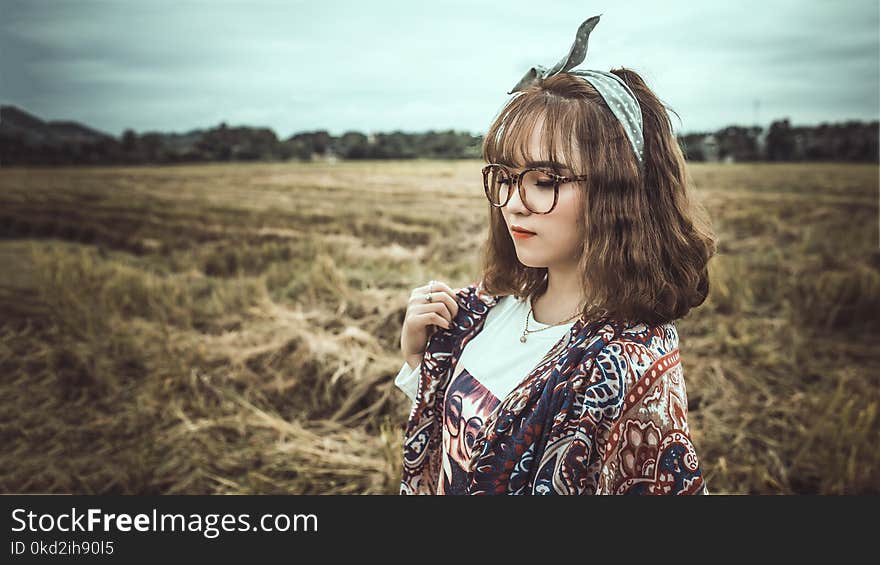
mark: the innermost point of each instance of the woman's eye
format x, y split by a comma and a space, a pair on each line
545, 183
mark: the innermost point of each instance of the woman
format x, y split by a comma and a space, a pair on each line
559, 371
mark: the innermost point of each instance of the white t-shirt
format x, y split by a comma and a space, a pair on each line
491, 365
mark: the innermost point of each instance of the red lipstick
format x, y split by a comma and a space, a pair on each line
520, 232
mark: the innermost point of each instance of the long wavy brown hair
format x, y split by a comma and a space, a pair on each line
646, 240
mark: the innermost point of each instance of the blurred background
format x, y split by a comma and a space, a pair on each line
212, 215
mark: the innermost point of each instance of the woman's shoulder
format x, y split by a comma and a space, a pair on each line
661, 337
640, 340
638, 349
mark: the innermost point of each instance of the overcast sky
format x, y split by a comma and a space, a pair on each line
381, 65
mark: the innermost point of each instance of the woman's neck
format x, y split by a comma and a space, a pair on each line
562, 297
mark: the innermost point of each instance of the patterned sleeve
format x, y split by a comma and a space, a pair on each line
647, 447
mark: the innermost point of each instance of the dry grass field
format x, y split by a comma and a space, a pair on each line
234, 328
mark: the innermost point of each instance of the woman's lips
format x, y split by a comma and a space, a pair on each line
521, 234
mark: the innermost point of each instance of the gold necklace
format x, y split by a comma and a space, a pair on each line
527, 331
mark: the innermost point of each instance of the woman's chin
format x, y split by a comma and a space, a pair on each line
531, 262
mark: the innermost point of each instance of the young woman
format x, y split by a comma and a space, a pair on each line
559, 371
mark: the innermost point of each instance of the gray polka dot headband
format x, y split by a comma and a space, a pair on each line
616, 93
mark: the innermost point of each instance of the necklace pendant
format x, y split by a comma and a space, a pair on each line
522, 338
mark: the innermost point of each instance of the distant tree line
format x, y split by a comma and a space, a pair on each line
850, 141
27, 140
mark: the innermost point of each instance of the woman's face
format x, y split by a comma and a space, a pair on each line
557, 240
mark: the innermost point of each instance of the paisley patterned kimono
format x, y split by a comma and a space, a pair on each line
604, 413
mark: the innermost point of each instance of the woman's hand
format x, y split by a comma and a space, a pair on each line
423, 317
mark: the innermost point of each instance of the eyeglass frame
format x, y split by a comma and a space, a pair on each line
517, 177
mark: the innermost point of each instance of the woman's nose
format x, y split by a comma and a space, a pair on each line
515, 203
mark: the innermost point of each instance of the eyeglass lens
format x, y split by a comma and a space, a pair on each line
537, 186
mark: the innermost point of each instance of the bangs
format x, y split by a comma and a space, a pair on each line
509, 141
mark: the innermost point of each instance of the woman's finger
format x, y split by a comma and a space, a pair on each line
438, 307
440, 291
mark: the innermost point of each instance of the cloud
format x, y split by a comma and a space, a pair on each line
379, 66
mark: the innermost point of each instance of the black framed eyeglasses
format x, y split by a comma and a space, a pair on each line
538, 188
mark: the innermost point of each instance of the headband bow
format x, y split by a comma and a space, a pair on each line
616, 93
